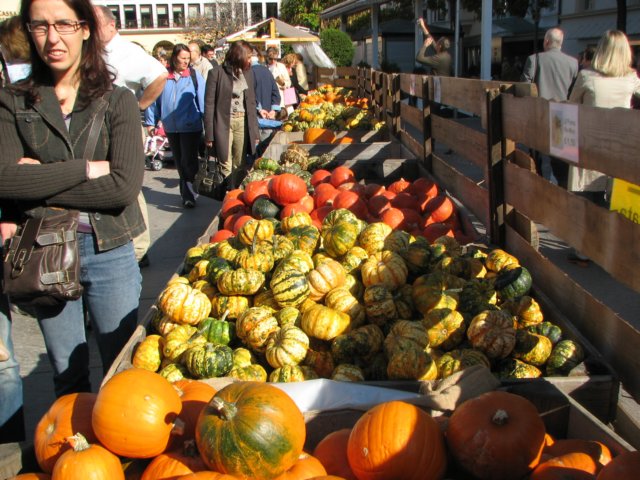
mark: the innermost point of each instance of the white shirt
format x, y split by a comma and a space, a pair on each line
134, 68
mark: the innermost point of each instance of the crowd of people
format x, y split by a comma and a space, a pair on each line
64, 60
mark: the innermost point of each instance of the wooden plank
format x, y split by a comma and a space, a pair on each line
607, 136
411, 84
346, 82
413, 145
473, 196
468, 142
616, 340
411, 115
602, 235
465, 94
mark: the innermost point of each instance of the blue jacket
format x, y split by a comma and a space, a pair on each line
267, 93
179, 106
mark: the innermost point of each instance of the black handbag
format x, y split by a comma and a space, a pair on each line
41, 265
210, 181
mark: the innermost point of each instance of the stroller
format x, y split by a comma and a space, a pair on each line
156, 150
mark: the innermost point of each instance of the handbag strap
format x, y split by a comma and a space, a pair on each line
23, 250
96, 126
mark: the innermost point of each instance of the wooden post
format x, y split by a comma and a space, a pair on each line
426, 125
495, 167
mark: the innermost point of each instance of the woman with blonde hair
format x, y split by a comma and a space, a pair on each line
610, 82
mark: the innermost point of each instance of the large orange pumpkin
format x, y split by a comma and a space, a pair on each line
623, 467
351, 201
66, 416
320, 176
87, 461
206, 475
570, 466
174, 464
596, 450
497, 435
439, 208
396, 441
287, 188
139, 401
251, 429
318, 135
341, 175
332, 453
254, 190
194, 396
32, 476
324, 194
306, 467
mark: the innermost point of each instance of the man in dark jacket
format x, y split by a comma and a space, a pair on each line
267, 101
434, 54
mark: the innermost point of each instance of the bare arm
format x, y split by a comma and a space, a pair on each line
153, 91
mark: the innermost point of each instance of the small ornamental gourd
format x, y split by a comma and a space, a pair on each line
396, 440
372, 238
289, 316
324, 278
217, 331
525, 309
445, 328
548, 329
148, 354
240, 282
379, 305
286, 346
346, 372
254, 327
249, 373
304, 237
417, 256
342, 300
354, 257
324, 323
173, 372
231, 305
230, 431
179, 339
512, 282
255, 231
510, 368
411, 363
565, 356
405, 334
292, 373
492, 332
184, 304
531, 348
386, 268
498, 259
250, 258
496, 436
208, 361
339, 237
289, 286
455, 360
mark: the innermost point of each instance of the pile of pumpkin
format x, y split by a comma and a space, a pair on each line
139, 426
331, 295
332, 108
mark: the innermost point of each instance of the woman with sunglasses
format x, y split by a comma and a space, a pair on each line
44, 127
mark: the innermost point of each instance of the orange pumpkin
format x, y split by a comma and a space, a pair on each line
423, 187
87, 461
396, 440
206, 475
324, 195
229, 207
306, 467
287, 188
497, 435
318, 135
399, 186
139, 401
332, 453
221, 235
623, 467
434, 231
342, 174
343, 140
373, 189
596, 450
320, 176
32, 476
351, 201
254, 190
194, 397
378, 204
175, 464
239, 222
393, 217
317, 215
570, 466
439, 208
68, 415
405, 200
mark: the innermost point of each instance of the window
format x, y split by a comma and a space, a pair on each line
178, 15
163, 15
272, 9
116, 13
441, 15
194, 10
210, 10
585, 5
146, 20
130, 20
239, 12
256, 12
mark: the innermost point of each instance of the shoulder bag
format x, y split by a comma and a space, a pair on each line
210, 181
41, 265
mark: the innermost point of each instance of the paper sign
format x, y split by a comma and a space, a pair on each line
563, 131
625, 199
437, 90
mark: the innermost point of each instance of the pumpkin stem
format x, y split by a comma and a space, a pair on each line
500, 417
78, 442
189, 448
178, 427
226, 410
225, 314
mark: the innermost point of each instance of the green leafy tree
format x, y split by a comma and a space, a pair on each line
517, 8
304, 12
338, 46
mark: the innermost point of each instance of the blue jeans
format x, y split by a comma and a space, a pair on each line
11, 415
112, 285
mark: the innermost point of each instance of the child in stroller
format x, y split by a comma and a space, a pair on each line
156, 149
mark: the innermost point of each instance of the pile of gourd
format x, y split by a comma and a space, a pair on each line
334, 108
284, 300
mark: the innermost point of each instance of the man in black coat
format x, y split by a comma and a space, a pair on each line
267, 101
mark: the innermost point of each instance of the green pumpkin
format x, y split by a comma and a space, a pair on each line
346, 372
375, 368
338, 238
397, 241
296, 260
511, 368
242, 357
252, 259
254, 327
289, 316
286, 346
215, 267
565, 356
179, 339
531, 348
459, 359
197, 253
266, 163
290, 287
217, 331
255, 175
282, 247
340, 215
513, 281
445, 328
264, 208
548, 329
417, 256
379, 305
208, 360
373, 236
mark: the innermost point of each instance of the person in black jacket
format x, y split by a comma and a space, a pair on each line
267, 101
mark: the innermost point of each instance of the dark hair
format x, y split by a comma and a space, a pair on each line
178, 47
14, 39
95, 77
206, 48
588, 53
237, 55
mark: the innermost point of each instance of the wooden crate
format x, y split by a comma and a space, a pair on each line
358, 136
